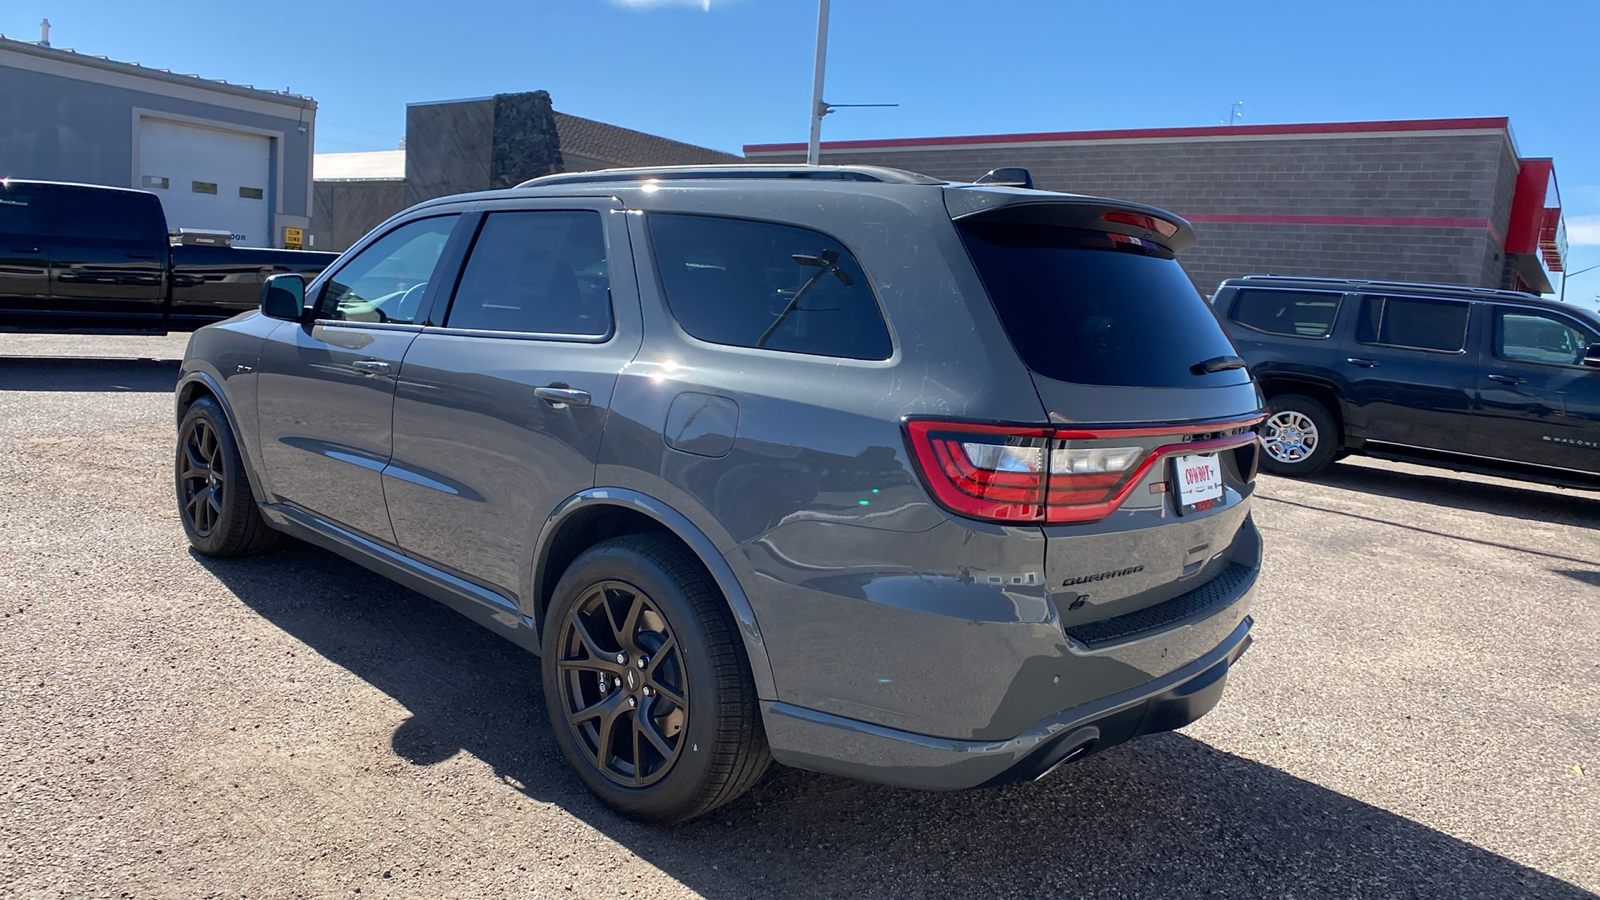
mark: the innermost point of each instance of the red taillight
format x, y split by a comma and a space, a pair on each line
1140, 220
1005, 474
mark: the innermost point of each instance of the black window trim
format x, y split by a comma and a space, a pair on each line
320, 284
1494, 327
764, 352
1333, 326
1466, 334
469, 239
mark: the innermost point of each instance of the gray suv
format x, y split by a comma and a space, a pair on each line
929, 484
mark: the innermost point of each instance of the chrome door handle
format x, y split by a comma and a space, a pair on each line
370, 366
1363, 363
1508, 379
559, 395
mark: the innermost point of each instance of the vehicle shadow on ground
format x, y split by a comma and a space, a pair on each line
1462, 492
1163, 816
87, 375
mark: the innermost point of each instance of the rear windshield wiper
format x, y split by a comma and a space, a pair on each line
1217, 364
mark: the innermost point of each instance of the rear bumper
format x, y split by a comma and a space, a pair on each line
836, 745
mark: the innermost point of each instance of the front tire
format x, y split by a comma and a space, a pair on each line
215, 504
647, 685
1299, 437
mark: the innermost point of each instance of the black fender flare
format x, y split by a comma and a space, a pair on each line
214, 387
699, 543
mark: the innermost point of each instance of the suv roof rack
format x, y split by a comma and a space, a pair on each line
1397, 285
736, 171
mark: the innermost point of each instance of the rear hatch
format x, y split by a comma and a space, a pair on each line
1149, 461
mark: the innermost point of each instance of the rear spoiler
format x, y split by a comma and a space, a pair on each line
992, 203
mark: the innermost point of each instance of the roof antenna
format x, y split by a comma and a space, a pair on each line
44, 33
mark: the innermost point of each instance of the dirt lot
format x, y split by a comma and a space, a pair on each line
1420, 715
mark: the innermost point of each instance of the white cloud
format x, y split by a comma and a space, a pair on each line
1583, 231
704, 5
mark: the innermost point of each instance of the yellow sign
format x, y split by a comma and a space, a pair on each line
292, 238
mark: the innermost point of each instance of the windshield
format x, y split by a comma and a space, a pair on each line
1096, 308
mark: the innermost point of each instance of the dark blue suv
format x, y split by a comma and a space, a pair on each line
931, 484
1494, 382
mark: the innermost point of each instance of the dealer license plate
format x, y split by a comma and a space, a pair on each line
1199, 480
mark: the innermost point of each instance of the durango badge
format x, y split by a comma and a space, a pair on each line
1114, 573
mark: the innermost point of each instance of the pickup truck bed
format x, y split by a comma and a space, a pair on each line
91, 259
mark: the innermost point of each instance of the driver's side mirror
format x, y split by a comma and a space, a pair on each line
284, 297
1592, 358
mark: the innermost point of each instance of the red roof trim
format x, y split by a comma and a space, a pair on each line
1361, 221
1136, 134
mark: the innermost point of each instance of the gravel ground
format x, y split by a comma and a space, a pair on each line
1420, 715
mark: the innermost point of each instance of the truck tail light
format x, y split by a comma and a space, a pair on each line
1035, 475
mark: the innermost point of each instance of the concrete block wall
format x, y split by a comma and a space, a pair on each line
1245, 196
347, 210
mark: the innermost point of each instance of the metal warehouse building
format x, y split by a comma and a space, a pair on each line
1442, 200
220, 156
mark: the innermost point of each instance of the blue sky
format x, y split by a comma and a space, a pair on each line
725, 73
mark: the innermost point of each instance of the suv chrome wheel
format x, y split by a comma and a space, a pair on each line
1289, 436
622, 684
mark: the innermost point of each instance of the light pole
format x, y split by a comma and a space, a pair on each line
818, 108
1562, 297
1234, 112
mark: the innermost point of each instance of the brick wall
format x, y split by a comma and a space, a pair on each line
1431, 175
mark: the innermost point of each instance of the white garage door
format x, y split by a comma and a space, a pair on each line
208, 178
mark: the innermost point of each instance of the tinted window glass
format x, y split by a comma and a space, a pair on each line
1295, 313
1082, 307
1526, 335
754, 284
109, 215
536, 272
1415, 322
21, 210
385, 282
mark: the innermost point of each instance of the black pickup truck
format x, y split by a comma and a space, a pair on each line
1470, 379
81, 258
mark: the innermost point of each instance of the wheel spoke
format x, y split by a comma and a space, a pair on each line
656, 658
643, 723
638, 762
599, 659
193, 465
605, 710
630, 624
670, 694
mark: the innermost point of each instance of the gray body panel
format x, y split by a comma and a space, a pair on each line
918, 639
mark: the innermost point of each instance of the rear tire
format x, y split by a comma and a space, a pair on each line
1299, 438
215, 504
667, 738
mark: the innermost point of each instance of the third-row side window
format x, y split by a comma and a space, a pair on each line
1307, 314
1417, 322
774, 287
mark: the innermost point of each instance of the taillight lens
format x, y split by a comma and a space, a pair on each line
1140, 220
984, 471
1005, 474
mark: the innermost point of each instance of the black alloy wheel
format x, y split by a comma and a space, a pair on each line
215, 503
646, 682
202, 471
622, 684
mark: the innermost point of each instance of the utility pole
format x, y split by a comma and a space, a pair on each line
818, 108
1562, 297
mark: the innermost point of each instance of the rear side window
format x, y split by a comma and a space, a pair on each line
1418, 323
1092, 308
107, 215
1307, 314
773, 287
21, 210
541, 272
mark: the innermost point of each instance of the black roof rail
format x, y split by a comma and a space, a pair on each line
1379, 283
751, 171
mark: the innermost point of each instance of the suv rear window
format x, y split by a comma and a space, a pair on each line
1307, 314
1092, 308
774, 287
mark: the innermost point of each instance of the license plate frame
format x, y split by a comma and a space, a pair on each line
1197, 482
